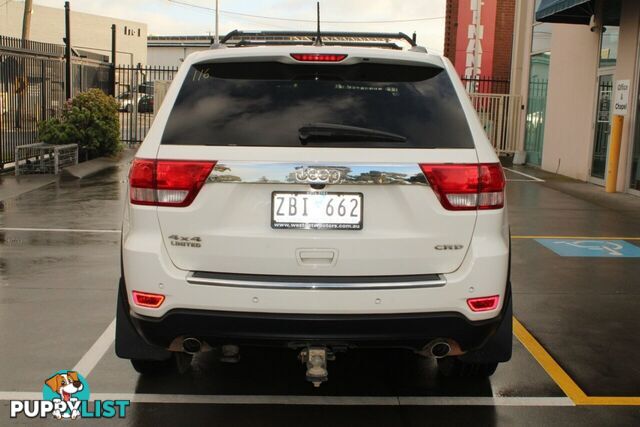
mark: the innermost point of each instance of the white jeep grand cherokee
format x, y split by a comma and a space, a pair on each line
319, 198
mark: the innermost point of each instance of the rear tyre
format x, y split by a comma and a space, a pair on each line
177, 363
452, 367
154, 367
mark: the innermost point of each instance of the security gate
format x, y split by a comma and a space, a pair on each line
500, 117
139, 92
33, 88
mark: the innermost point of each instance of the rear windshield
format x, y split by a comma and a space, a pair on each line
266, 104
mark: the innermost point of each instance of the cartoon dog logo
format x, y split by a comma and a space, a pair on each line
66, 385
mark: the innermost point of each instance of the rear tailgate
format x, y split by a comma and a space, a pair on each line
405, 229
246, 117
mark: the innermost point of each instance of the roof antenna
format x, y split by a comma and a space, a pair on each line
318, 41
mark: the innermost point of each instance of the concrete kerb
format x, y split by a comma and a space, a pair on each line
96, 166
89, 168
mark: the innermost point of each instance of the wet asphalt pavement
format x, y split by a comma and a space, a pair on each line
57, 302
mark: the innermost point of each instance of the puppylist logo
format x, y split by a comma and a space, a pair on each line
65, 395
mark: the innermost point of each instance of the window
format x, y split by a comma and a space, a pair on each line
266, 103
609, 46
610, 34
537, 92
541, 39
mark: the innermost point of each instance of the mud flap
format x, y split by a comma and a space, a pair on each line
499, 346
129, 344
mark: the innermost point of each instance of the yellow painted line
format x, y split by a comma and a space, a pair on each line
611, 401
576, 237
561, 378
555, 371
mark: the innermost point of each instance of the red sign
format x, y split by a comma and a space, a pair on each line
475, 38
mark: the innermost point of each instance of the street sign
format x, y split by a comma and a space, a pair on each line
591, 248
621, 100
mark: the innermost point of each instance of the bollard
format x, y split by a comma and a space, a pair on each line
614, 154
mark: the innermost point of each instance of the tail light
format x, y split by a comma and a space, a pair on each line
467, 186
167, 182
483, 303
148, 300
318, 57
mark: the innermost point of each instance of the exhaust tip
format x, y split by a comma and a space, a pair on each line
440, 349
191, 345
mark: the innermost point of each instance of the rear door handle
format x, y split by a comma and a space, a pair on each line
317, 257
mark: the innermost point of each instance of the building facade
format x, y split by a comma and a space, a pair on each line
88, 32
172, 50
479, 37
575, 63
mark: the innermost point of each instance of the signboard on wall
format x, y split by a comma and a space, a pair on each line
621, 97
475, 37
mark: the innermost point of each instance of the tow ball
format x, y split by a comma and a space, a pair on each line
316, 360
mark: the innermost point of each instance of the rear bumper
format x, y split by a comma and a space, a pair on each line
413, 330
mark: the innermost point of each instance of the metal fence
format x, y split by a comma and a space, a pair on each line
483, 84
90, 75
139, 92
32, 88
535, 120
500, 117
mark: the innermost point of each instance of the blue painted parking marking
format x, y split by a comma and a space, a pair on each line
591, 248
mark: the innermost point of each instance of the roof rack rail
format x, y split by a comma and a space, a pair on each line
243, 43
239, 38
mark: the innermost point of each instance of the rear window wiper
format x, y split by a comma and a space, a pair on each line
331, 132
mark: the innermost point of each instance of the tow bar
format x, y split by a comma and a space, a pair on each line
316, 360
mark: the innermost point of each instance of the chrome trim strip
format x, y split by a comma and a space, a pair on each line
327, 173
249, 284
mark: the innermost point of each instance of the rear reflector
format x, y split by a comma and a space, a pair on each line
484, 303
148, 300
467, 186
167, 182
318, 57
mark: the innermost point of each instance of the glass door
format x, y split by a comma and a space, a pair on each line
602, 128
536, 107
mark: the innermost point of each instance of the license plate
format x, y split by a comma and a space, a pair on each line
330, 211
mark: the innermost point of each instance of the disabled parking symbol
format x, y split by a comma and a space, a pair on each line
591, 248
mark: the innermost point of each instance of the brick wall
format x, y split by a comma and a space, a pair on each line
450, 30
503, 38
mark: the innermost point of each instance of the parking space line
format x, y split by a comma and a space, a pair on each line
484, 401
555, 371
312, 400
576, 237
20, 395
575, 395
59, 230
611, 401
97, 351
561, 378
533, 178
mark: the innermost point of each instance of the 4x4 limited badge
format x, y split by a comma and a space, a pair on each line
188, 242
